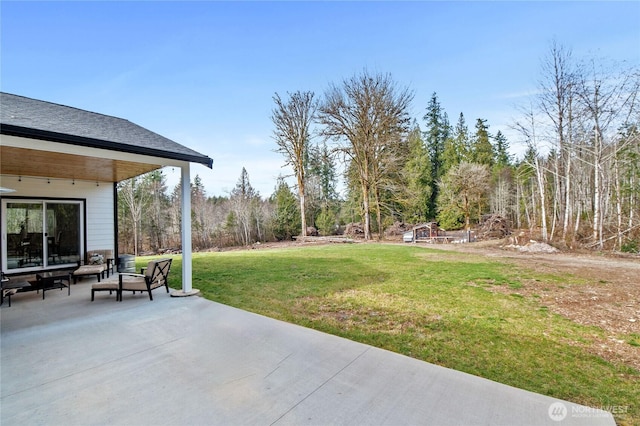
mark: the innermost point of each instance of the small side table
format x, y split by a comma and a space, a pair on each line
110, 265
50, 280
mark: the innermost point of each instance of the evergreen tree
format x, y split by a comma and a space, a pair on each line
456, 147
417, 176
286, 220
324, 167
503, 158
321, 181
322, 196
243, 188
437, 132
482, 150
352, 208
326, 221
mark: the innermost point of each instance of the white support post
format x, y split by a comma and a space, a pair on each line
187, 289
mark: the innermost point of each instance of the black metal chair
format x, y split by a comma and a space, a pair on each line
155, 275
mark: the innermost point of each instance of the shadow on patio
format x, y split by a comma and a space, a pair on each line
177, 361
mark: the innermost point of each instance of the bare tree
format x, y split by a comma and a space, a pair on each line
609, 99
292, 120
244, 211
586, 114
556, 101
156, 217
528, 129
201, 226
366, 116
135, 199
501, 197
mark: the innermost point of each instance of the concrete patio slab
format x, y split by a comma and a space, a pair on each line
189, 361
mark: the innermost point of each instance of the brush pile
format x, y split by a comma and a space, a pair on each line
493, 227
398, 228
354, 229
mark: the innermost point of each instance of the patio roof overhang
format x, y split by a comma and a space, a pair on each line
28, 162
23, 156
27, 157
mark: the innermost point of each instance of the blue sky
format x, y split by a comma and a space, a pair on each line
203, 73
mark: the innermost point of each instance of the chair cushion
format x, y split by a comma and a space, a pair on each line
105, 286
89, 270
134, 284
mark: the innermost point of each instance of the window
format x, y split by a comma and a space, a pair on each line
38, 234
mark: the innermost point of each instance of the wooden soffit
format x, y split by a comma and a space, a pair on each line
31, 162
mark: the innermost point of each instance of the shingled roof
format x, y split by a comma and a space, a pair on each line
35, 119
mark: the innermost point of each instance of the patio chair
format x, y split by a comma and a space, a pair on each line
155, 275
96, 263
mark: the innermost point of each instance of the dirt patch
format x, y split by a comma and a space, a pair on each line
609, 300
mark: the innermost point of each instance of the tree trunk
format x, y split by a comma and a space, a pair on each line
378, 213
616, 172
303, 215
632, 207
556, 196
135, 238
567, 203
577, 225
597, 193
467, 215
543, 210
366, 211
533, 218
518, 219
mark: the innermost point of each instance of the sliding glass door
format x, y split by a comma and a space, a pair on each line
39, 234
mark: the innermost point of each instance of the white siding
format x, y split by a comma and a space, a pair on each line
99, 203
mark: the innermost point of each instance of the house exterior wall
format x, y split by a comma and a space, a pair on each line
98, 197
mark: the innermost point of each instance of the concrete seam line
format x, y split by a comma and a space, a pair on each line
319, 387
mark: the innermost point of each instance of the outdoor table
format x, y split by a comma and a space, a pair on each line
54, 279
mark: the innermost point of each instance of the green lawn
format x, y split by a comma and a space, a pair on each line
428, 304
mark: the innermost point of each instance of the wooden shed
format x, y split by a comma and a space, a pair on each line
426, 232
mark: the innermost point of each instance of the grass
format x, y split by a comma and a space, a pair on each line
427, 304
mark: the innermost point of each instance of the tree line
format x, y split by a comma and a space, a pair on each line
578, 184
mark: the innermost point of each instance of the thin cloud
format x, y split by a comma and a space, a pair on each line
520, 94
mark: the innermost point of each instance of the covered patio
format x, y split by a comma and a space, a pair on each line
59, 167
178, 361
